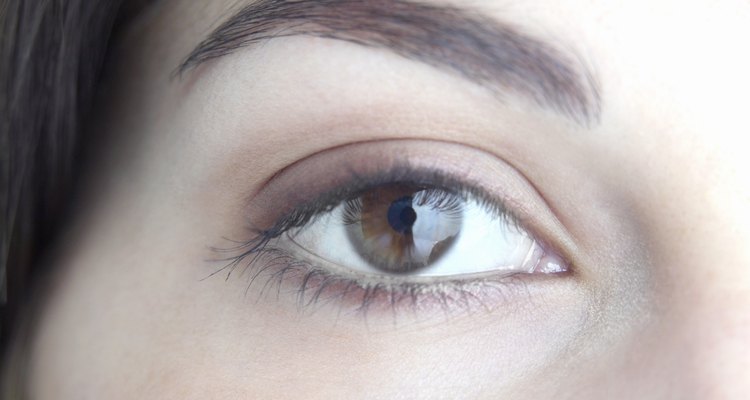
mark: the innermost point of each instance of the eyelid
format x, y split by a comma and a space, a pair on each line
323, 173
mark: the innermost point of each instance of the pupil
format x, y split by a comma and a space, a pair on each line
401, 215
408, 216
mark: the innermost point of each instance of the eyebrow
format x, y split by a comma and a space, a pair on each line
486, 51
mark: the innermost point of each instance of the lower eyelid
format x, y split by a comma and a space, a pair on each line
276, 273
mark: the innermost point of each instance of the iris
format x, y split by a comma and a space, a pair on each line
402, 228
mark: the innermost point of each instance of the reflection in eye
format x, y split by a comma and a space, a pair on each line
421, 231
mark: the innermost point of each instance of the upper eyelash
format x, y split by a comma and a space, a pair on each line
359, 184
402, 174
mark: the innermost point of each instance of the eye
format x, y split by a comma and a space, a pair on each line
449, 228
420, 230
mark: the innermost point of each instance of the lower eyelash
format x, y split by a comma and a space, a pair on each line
272, 269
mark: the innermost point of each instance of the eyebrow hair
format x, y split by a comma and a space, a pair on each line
489, 52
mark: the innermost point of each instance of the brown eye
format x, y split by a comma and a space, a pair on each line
402, 228
420, 230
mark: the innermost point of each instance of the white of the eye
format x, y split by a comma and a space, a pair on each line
485, 243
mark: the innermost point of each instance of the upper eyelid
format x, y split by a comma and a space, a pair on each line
308, 178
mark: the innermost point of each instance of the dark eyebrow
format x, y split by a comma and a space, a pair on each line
486, 51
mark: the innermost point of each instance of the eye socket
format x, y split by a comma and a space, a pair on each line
419, 230
315, 224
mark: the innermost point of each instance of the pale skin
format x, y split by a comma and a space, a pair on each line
650, 203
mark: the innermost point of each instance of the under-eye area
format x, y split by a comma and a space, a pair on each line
399, 233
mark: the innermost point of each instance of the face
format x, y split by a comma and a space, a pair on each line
516, 200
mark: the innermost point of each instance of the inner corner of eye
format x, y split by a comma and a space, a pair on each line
414, 230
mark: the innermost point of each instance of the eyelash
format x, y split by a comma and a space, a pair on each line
316, 284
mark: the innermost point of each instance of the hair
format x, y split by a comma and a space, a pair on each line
52, 54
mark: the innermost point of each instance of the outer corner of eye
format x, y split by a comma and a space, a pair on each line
549, 262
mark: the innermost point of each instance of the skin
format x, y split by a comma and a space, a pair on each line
650, 204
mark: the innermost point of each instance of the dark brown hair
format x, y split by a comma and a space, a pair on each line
51, 56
